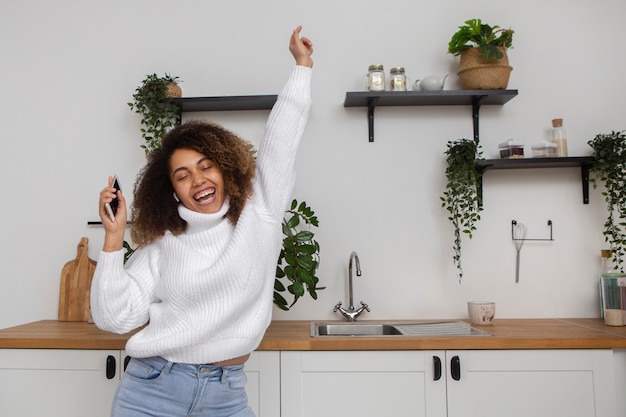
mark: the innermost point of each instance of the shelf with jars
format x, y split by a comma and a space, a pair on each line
474, 98
584, 162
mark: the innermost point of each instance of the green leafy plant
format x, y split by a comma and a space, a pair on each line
461, 196
476, 34
128, 251
609, 168
299, 257
158, 115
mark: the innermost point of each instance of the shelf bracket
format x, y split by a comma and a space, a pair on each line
371, 106
476, 103
584, 172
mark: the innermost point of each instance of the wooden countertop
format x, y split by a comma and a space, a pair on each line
294, 335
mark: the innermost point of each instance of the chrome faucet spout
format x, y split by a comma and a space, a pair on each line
351, 313
355, 257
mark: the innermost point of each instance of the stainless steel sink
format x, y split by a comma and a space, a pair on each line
371, 329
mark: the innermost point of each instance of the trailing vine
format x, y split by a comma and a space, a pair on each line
461, 196
610, 169
299, 257
151, 100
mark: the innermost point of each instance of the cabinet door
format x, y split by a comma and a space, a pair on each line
534, 383
362, 383
63, 383
263, 388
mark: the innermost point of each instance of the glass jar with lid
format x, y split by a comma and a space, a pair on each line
397, 79
376, 78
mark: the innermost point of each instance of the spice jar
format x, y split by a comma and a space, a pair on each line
511, 149
398, 79
376, 78
558, 136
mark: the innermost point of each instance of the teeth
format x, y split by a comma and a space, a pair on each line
204, 194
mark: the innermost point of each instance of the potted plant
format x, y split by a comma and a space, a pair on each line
484, 63
299, 256
152, 101
609, 168
461, 196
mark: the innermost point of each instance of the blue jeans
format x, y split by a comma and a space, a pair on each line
157, 388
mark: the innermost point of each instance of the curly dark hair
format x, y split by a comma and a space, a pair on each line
155, 211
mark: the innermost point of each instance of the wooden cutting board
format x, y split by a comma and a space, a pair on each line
76, 285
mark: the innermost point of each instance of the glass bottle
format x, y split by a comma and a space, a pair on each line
558, 135
609, 268
376, 78
398, 79
613, 291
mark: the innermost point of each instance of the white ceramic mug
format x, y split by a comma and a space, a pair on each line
481, 312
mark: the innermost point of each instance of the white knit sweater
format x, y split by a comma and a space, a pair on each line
208, 293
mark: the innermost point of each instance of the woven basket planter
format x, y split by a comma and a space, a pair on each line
173, 91
478, 73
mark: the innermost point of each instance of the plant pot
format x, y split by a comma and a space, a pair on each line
173, 91
477, 73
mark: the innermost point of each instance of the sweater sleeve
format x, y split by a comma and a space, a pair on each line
121, 296
275, 177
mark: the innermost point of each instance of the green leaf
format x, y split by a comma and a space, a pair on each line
298, 289
293, 221
299, 255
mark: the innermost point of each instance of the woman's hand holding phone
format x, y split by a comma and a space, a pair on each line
112, 210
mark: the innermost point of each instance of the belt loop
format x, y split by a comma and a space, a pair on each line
168, 367
224, 378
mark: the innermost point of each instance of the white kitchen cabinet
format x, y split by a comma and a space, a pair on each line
51, 382
538, 383
263, 389
74, 382
485, 383
362, 383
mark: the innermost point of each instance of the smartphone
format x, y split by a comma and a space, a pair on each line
112, 206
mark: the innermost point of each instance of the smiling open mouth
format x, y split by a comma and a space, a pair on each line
204, 195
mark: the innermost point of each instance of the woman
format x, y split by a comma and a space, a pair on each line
207, 219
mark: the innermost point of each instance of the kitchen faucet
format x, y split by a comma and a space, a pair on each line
351, 314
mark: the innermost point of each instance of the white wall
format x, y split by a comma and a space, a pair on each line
69, 67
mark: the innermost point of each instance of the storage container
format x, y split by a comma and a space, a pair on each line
376, 78
544, 150
398, 79
511, 149
614, 300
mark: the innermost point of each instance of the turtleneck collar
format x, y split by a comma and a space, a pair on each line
197, 222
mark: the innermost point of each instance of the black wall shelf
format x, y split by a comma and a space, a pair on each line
475, 98
584, 162
225, 103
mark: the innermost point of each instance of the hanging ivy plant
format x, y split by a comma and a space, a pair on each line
609, 168
299, 257
461, 196
151, 100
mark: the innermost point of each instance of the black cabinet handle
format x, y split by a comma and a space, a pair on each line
111, 365
455, 368
437, 366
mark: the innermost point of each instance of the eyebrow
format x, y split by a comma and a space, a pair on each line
201, 160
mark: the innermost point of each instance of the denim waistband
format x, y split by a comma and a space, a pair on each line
196, 369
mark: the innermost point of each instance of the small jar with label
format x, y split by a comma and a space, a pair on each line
376, 78
398, 79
